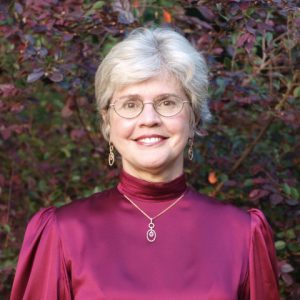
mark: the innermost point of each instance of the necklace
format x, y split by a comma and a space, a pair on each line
151, 233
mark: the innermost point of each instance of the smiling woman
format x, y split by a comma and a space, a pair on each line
151, 144
151, 236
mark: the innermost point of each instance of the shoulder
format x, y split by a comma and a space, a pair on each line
42, 221
260, 228
81, 209
224, 214
58, 223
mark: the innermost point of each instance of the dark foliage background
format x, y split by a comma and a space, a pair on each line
51, 150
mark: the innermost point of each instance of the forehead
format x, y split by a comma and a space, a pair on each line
151, 88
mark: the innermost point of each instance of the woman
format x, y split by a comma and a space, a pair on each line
151, 237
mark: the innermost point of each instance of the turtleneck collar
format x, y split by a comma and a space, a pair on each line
139, 189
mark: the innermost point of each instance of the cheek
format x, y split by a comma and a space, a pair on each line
185, 124
120, 129
181, 130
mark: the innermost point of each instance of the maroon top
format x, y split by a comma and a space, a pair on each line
96, 248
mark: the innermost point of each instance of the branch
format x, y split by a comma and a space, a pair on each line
83, 124
262, 132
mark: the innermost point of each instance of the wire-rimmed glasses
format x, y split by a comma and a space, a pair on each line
132, 106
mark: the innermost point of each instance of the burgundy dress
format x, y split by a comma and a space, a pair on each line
96, 248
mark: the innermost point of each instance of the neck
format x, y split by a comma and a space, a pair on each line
140, 189
154, 175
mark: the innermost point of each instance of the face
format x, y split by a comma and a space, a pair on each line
151, 146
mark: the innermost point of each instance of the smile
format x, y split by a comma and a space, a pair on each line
149, 140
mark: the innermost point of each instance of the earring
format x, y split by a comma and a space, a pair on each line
111, 155
190, 150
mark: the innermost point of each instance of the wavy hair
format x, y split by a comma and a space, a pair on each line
146, 53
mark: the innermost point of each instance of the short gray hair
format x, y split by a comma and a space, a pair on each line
146, 53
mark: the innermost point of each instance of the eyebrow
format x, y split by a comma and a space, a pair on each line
139, 96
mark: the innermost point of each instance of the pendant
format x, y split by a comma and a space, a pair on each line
151, 234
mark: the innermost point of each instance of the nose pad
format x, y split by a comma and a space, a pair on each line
149, 116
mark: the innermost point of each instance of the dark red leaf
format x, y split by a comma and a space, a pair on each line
292, 202
286, 268
56, 76
77, 134
259, 180
257, 194
217, 51
276, 199
288, 279
250, 29
16, 107
66, 112
206, 12
18, 8
5, 132
35, 75
242, 39
8, 90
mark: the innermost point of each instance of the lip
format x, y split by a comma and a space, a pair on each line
149, 140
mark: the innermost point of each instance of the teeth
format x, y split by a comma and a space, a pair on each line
150, 140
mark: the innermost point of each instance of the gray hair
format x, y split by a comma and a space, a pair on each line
146, 53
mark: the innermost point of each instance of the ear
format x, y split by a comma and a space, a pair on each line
106, 122
104, 115
192, 130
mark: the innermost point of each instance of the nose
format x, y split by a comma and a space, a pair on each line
149, 117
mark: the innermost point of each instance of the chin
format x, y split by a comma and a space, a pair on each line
157, 166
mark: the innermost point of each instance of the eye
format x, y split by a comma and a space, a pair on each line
167, 102
131, 104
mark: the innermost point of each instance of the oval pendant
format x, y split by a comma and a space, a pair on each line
151, 235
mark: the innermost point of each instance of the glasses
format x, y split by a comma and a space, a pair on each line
131, 107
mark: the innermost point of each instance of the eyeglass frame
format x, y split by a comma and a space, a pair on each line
143, 105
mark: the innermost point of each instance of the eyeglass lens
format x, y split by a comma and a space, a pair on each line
131, 107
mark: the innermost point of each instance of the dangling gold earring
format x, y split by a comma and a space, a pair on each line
111, 155
190, 150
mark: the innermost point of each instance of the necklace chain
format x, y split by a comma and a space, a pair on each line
151, 233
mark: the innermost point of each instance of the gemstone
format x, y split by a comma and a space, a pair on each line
151, 235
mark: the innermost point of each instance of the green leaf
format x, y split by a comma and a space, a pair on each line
42, 186
248, 182
223, 177
290, 234
97, 189
294, 193
110, 42
59, 203
294, 247
280, 245
76, 178
167, 3
287, 189
66, 151
280, 235
269, 37
98, 5
227, 63
6, 228
297, 92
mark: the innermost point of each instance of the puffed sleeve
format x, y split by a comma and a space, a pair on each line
41, 271
262, 281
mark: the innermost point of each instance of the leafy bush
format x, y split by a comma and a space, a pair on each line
51, 149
